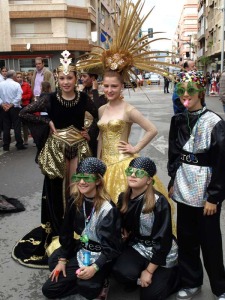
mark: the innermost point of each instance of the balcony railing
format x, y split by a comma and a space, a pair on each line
32, 35
26, 2
201, 52
200, 13
201, 32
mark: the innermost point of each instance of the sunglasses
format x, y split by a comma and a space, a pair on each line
86, 178
139, 173
191, 90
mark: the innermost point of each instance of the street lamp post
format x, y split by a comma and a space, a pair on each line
222, 37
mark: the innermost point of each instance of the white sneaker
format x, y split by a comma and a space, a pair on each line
221, 297
188, 294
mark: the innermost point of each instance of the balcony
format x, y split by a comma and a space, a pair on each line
200, 52
26, 2
201, 33
201, 12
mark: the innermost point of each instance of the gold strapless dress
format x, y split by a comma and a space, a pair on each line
115, 179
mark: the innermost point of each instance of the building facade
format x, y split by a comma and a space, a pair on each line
32, 28
183, 44
210, 34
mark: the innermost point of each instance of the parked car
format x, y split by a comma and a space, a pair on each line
147, 75
154, 79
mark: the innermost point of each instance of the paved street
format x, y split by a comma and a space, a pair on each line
20, 177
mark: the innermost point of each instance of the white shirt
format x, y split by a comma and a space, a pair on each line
1, 78
10, 92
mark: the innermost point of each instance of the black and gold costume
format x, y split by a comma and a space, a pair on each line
68, 118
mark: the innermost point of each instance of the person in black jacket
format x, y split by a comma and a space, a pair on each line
90, 87
149, 257
197, 170
90, 237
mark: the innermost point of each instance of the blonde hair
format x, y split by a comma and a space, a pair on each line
149, 199
100, 197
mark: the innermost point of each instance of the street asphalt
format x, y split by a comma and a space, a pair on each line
21, 178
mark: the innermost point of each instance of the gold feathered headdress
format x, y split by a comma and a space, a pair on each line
126, 50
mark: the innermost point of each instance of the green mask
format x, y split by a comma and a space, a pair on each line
139, 173
87, 178
191, 90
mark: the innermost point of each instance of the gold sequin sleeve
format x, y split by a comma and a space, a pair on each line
27, 113
135, 116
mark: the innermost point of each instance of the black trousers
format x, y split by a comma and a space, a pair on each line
195, 231
1, 120
12, 117
166, 87
71, 285
129, 266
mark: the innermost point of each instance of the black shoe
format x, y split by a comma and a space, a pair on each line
21, 147
5, 148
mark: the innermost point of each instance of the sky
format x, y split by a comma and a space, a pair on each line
164, 17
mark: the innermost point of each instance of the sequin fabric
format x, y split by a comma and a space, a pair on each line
116, 162
67, 143
146, 225
191, 182
92, 233
144, 163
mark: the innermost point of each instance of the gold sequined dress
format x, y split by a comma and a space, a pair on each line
111, 134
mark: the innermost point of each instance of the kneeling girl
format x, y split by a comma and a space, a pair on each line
150, 254
81, 265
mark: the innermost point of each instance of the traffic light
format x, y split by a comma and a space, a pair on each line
140, 33
150, 32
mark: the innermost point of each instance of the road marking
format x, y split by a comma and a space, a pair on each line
161, 144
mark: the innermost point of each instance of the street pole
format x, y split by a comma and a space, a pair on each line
222, 37
98, 21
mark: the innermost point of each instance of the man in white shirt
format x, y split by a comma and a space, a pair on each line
10, 99
3, 72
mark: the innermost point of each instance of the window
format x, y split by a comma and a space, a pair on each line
24, 30
77, 30
2, 63
77, 3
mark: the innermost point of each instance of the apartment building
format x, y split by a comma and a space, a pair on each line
210, 33
186, 33
31, 28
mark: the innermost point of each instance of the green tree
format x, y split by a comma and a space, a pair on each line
204, 62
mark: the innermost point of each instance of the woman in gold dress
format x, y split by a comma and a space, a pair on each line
124, 56
115, 122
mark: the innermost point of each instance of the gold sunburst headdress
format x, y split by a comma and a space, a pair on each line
66, 63
126, 50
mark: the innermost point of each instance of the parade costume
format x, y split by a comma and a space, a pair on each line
68, 118
97, 241
150, 240
125, 52
111, 134
196, 167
